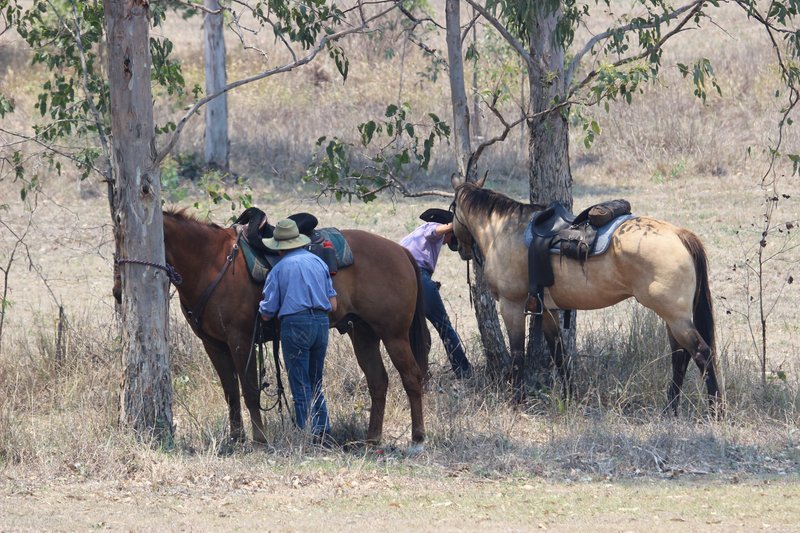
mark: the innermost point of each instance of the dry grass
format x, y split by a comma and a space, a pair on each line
668, 155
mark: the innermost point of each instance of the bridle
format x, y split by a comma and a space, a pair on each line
476, 254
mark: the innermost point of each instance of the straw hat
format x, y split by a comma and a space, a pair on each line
286, 236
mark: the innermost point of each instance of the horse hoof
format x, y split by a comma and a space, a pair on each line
415, 449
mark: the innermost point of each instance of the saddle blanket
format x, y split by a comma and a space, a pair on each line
259, 265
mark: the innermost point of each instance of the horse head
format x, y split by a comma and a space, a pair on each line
462, 240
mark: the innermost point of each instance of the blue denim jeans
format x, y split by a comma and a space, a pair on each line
304, 337
437, 315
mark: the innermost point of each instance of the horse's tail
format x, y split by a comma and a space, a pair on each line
419, 335
703, 307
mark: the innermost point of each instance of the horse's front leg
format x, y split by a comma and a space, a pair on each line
244, 358
223, 364
551, 328
514, 319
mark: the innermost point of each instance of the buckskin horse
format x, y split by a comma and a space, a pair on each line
664, 267
379, 300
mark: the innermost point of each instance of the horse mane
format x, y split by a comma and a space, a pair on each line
487, 202
180, 214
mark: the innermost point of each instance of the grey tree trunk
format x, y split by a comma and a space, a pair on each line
550, 176
216, 114
498, 359
458, 92
146, 399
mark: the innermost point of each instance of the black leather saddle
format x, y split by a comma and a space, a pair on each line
555, 230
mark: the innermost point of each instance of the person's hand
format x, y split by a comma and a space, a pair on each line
444, 229
266, 318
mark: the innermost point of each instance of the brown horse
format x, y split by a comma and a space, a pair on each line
662, 266
379, 299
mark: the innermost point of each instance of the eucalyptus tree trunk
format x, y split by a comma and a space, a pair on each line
498, 359
146, 399
216, 114
458, 92
550, 176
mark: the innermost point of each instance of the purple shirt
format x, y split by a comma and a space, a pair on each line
424, 244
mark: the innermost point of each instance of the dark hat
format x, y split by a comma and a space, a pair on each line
306, 222
442, 216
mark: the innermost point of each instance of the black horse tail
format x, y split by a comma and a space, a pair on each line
419, 335
703, 307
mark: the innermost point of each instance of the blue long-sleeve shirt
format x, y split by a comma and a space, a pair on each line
298, 282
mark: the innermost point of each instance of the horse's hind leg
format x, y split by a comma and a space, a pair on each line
400, 353
223, 364
366, 345
694, 347
680, 362
705, 362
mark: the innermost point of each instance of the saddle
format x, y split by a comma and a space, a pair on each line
555, 230
327, 243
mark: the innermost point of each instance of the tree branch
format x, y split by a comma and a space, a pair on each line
109, 173
589, 77
200, 7
695, 6
515, 44
265, 74
48, 148
473, 160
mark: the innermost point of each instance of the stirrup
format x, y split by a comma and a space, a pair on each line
539, 305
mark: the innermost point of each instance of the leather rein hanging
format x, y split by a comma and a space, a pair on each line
476, 252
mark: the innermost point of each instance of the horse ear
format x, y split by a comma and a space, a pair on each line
481, 181
456, 180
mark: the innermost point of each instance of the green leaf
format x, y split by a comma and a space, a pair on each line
367, 130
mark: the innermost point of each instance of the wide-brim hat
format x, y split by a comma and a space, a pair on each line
442, 216
286, 236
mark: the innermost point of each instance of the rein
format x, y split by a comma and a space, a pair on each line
172, 274
261, 371
196, 314
476, 252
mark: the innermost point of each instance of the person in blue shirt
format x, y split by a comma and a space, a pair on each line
298, 290
425, 243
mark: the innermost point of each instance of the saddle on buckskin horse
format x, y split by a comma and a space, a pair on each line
555, 230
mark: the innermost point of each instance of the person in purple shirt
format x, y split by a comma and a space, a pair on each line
425, 243
298, 290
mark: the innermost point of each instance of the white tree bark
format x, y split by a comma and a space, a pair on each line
216, 113
146, 399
